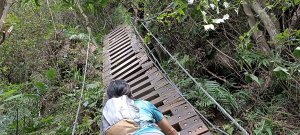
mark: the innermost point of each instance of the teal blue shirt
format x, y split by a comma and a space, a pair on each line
149, 115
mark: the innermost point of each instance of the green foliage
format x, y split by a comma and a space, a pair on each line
51, 74
12, 19
15, 99
263, 128
93, 4
195, 94
252, 77
147, 38
229, 128
281, 73
36, 2
40, 86
187, 61
211, 12
41, 74
296, 52
255, 77
221, 95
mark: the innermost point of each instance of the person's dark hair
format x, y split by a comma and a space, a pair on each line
118, 88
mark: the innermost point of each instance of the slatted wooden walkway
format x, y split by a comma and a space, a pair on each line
125, 58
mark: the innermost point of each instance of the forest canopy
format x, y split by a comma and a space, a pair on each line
245, 53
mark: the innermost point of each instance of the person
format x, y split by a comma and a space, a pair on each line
122, 114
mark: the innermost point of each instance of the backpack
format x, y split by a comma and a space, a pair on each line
119, 116
123, 127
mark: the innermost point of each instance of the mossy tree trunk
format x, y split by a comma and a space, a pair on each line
5, 10
294, 25
266, 19
258, 35
4, 7
1, 7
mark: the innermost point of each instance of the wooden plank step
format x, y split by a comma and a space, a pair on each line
112, 37
114, 45
185, 124
114, 32
124, 64
168, 107
109, 62
144, 67
184, 114
195, 129
118, 37
122, 59
120, 52
117, 45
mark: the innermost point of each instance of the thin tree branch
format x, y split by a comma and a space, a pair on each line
85, 67
51, 14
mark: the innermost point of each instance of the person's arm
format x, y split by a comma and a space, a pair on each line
165, 126
161, 121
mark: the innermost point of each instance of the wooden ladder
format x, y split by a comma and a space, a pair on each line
125, 58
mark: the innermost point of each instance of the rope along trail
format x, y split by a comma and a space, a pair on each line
85, 68
194, 80
158, 65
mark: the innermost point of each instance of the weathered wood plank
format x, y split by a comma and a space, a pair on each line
117, 42
117, 45
120, 46
120, 36
122, 71
144, 68
161, 98
185, 124
120, 52
185, 114
168, 107
127, 62
123, 59
114, 32
109, 62
195, 129
138, 90
122, 31
177, 110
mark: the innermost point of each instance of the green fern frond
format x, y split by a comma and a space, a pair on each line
221, 95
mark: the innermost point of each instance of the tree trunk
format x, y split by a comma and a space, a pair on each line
266, 19
5, 12
275, 20
258, 35
2, 4
260, 40
294, 25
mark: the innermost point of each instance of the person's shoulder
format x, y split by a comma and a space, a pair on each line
144, 102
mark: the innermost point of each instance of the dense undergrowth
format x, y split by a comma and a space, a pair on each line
42, 70
253, 73
258, 87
